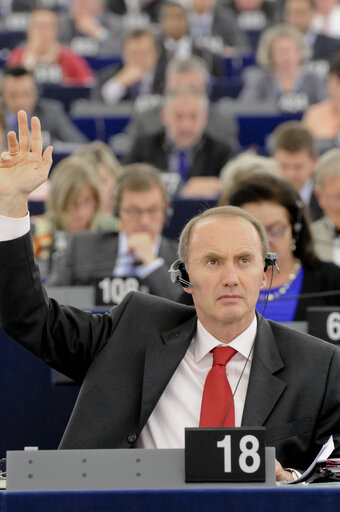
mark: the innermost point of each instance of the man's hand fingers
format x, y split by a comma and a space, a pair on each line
36, 138
12, 141
24, 136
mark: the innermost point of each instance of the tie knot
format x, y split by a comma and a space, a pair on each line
222, 355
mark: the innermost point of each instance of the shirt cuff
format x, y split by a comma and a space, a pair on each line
112, 91
12, 227
148, 269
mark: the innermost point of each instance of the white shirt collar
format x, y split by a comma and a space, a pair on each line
204, 342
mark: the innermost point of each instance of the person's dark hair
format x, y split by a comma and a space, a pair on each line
140, 177
16, 72
264, 187
293, 136
138, 32
334, 68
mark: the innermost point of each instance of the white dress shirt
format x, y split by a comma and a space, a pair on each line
180, 403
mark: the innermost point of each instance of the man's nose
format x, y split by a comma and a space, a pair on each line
230, 274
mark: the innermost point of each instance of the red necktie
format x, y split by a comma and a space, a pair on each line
217, 394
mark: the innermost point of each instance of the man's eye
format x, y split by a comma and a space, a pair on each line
212, 262
244, 260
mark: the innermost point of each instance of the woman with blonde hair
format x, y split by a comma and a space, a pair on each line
73, 204
280, 77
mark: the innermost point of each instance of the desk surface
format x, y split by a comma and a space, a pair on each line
280, 499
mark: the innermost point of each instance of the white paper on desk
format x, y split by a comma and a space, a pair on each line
322, 456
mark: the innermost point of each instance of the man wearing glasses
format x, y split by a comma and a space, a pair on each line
138, 251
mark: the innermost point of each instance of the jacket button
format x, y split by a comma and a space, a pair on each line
132, 438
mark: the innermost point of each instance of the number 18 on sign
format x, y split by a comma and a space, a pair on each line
225, 454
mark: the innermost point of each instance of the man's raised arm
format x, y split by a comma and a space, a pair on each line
22, 170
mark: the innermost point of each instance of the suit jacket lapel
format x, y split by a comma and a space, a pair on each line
161, 360
264, 388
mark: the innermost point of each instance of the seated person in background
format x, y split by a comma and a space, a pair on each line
183, 147
50, 61
326, 231
253, 16
177, 40
281, 78
142, 71
299, 14
91, 30
143, 366
138, 251
323, 119
214, 28
294, 149
326, 19
100, 157
19, 91
277, 205
73, 204
244, 166
189, 73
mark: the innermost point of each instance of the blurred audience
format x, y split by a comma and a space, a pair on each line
182, 146
294, 149
300, 14
138, 251
90, 29
142, 70
276, 204
51, 61
73, 204
214, 27
326, 231
191, 73
326, 19
177, 41
19, 91
323, 119
281, 78
100, 157
253, 16
245, 165
3, 131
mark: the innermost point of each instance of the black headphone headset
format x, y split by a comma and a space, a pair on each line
178, 273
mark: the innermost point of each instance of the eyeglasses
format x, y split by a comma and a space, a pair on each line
276, 231
134, 213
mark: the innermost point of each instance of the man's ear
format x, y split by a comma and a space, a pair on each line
263, 281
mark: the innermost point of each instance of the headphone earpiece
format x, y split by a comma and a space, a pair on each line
271, 261
178, 274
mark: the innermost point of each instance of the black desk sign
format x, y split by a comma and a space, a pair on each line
112, 290
324, 322
225, 454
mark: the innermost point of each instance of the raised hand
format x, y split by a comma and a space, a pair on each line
22, 170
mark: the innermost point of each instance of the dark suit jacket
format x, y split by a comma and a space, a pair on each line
126, 358
209, 156
90, 257
324, 277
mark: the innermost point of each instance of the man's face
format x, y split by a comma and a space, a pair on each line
19, 93
325, 6
184, 119
225, 265
142, 211
329, 199
174, 21
299, 13
141, 52
43, 29
248, 5
297, 167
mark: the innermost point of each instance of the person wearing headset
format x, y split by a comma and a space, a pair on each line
303, 278
143, 366
139, 250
